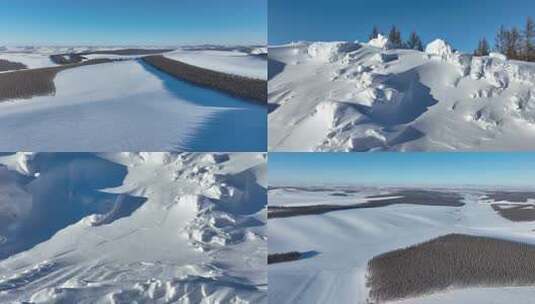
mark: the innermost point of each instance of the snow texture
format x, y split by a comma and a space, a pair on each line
347, 96
133, 228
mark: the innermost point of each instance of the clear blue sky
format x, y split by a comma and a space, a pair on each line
502, 169
132, 22
461, 22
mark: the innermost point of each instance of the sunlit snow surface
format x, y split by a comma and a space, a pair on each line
347, 96
133, 228
130, 106
339, 244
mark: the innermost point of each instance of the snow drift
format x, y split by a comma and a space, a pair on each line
397, 99
132, 227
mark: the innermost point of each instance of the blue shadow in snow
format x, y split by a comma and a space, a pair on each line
67, 190
243, 127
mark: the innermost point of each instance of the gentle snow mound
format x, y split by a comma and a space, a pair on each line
380, 42
331, 51
499, 56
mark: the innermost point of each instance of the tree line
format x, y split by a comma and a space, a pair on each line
515, 43
394, 37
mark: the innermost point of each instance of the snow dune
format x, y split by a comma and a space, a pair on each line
198, 236
349, 96
129, 106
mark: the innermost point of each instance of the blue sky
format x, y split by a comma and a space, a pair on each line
131, 22
501, 169
461, 22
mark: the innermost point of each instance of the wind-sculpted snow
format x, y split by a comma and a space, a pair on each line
135, 227
330, 51
72, 182
346, 96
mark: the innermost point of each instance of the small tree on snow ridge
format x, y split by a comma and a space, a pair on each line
414, 42
394, 37
529, 40
483, 48
375, 33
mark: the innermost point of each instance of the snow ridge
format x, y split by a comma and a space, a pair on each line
366, 96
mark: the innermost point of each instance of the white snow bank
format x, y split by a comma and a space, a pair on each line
439, 47
499, 56
259, 51
331, 51
380, 42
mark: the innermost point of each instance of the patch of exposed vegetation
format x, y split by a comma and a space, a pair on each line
243, 87
339, 194
422, 197
413, 197
283, 257
516, 212
6, 65
66, 58
453, 260
126, 52
511, 196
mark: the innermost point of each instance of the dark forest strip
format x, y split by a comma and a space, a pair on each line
6, 65
453, 260
248, 88
26, 84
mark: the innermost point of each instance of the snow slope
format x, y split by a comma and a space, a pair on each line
349, 96
130, 106
195, 233
339, 244
231, 62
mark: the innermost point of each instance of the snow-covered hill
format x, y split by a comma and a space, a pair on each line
133, 227
349, 96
